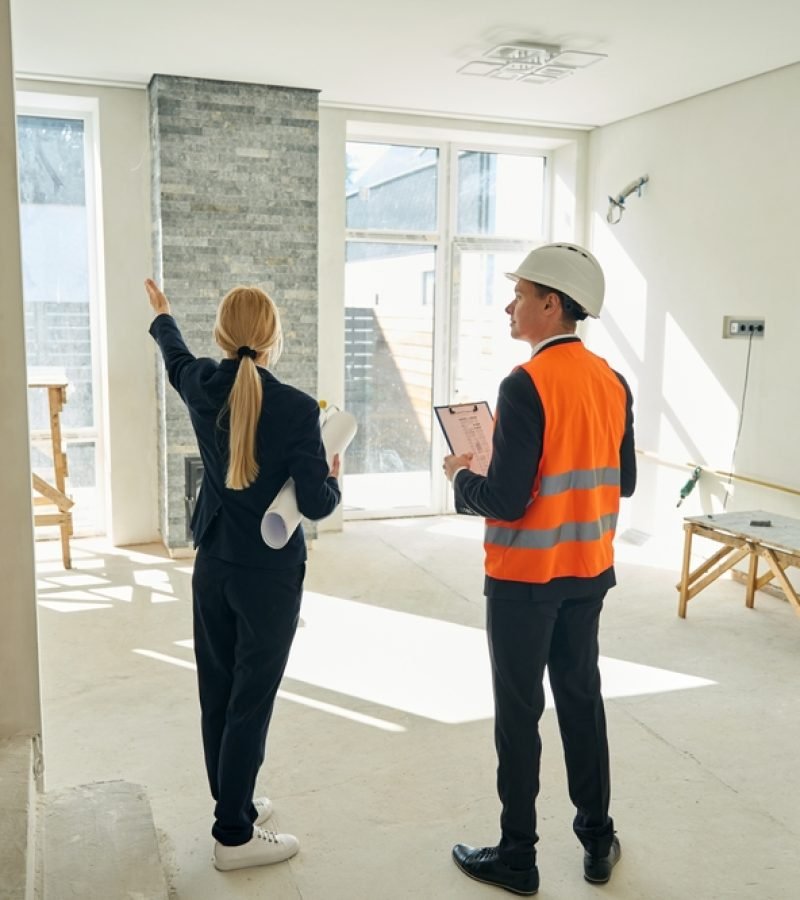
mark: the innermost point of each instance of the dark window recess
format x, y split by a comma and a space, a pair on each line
193, 478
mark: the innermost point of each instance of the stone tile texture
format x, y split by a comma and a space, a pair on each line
234, 201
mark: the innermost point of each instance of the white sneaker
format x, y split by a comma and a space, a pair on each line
264, 809
263, 849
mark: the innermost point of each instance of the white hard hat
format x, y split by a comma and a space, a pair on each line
567, 268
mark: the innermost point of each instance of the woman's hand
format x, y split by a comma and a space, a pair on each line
335, 465
158, 301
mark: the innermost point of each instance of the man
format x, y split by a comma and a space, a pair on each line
562, 454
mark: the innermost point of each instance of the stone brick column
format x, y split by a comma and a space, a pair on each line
234, 201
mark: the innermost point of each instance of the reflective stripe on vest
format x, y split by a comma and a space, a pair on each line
568, 527
540, 539
578, 480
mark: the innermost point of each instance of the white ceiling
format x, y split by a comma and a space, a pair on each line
404, 55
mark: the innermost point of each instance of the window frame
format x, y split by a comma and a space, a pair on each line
447, 244
86, 110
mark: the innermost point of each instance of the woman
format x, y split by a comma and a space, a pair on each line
253, 433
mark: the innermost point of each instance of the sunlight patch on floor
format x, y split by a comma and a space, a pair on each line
427, 667
71, 606
292, 697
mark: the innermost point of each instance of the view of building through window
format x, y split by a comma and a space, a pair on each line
400, 245
500, 194
57, 299
389, 366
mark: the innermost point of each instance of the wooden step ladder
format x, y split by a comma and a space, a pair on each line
45, 494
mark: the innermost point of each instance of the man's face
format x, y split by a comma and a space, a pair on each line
527, 311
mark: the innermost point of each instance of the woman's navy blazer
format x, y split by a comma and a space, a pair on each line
227, 523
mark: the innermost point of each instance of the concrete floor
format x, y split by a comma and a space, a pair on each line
380, 755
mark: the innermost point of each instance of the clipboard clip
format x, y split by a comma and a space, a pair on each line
453, 412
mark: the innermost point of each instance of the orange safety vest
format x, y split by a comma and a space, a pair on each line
568, 528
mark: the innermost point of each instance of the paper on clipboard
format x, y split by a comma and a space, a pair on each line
468, 428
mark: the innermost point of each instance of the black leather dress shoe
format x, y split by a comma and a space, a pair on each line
597, 869
484, 865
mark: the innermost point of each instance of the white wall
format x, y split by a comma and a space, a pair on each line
714, 233
20, 711
128, 357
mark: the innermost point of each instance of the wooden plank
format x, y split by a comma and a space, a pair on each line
66, 534
684, 585
56, 398
736, 555
710, 562
762, 584
764, 579
52, 494
52, 519
752, 580
784, 582
719, 536
787, 559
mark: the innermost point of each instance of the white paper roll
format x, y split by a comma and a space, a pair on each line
283, 516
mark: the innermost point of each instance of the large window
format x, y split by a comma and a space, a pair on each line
59, 277
430, 232
389, 327
500, 194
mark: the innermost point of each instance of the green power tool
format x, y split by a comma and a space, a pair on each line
689, 486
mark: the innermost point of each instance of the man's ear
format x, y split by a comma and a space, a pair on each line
552, 302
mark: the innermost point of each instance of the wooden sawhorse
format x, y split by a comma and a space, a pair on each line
778, 544
46, 494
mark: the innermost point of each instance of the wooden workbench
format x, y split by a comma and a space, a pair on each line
777, 544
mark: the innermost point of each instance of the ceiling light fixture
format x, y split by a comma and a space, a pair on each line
529, 62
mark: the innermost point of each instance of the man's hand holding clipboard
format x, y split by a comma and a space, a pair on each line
467, 429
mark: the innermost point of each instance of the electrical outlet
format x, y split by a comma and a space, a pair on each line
742, 327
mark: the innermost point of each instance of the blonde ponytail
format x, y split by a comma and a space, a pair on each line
248, 326
244, 403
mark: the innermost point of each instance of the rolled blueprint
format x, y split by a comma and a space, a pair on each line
283, 516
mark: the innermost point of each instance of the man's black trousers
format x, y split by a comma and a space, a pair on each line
526, 635
244, 623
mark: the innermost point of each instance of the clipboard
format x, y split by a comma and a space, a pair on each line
468, 428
